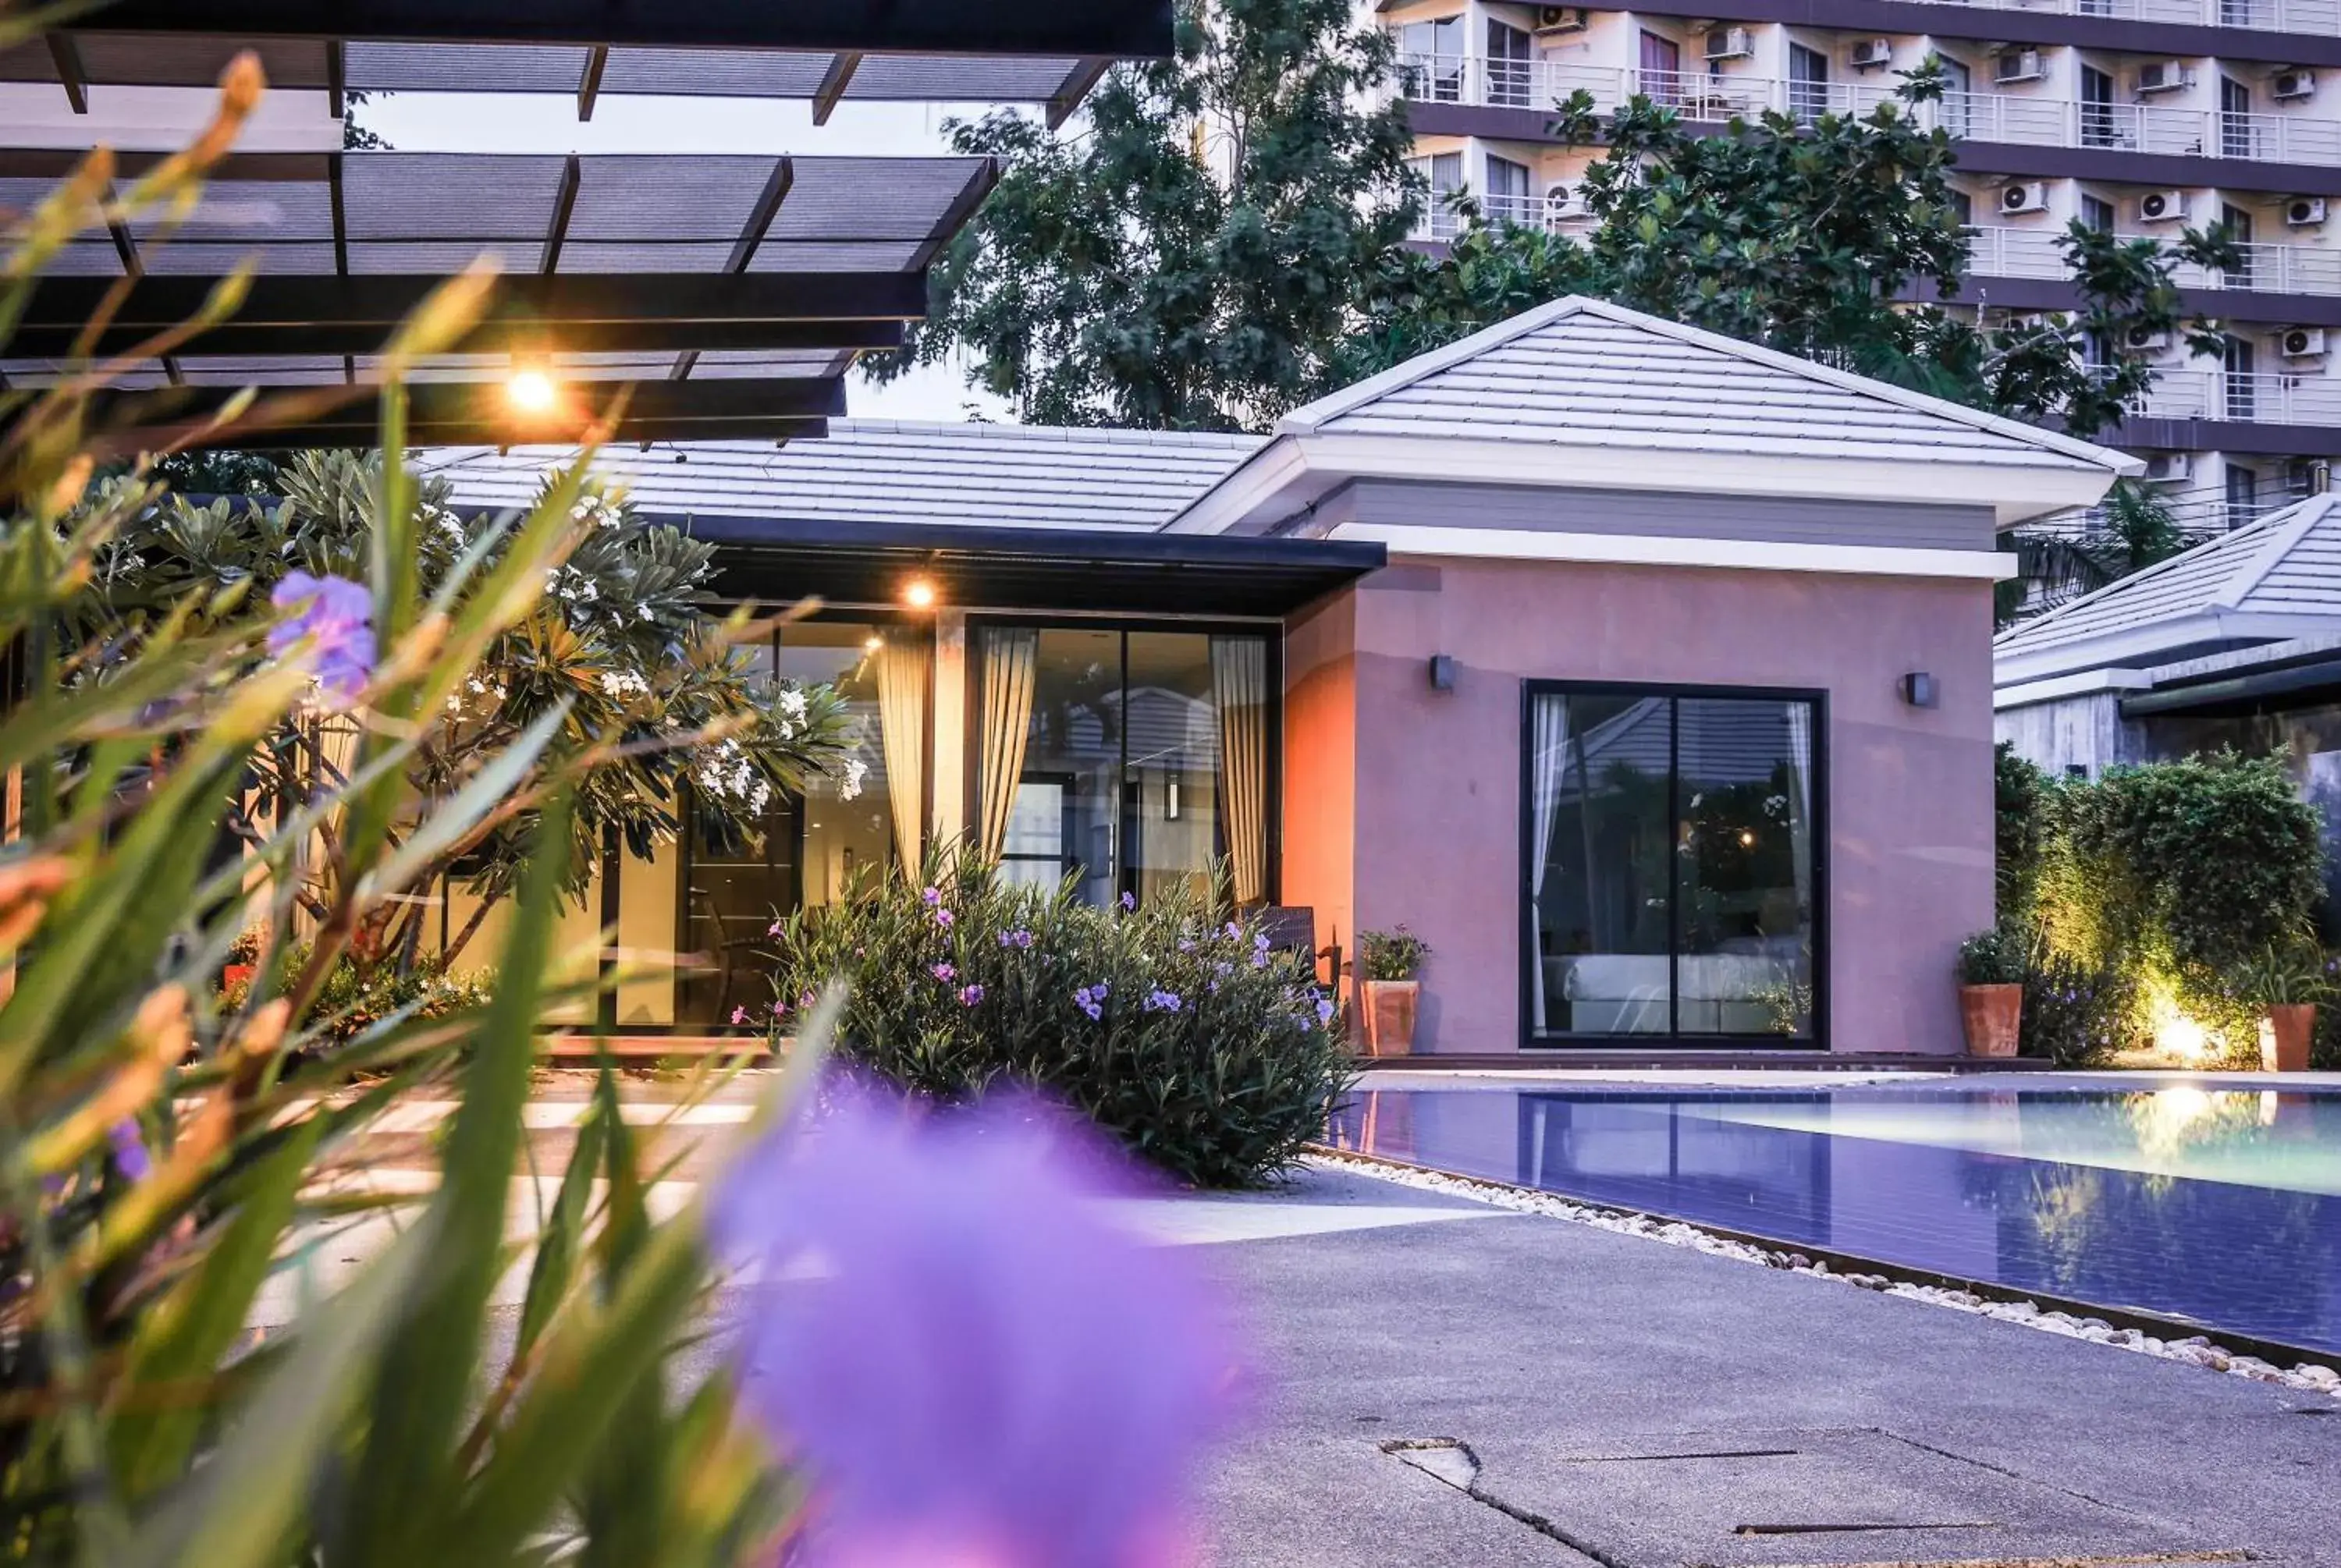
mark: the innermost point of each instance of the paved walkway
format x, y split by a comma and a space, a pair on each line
1456, 1386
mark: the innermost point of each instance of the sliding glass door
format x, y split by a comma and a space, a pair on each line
1672, 849
1129, 761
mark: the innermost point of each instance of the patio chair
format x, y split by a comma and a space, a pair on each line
1292, 928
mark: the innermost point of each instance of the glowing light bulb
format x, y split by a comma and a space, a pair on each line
531, 391
919, 593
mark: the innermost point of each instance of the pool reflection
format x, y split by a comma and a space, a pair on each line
1990, 1201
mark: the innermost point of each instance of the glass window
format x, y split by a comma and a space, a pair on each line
1808, 74
1661, 79
1508, 67
1672, 857
1430, 57
1508, 191
1129, 761
2097, 212
2097, 127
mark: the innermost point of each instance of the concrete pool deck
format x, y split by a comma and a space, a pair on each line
1659, 1406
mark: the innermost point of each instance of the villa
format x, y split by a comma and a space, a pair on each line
1644, 673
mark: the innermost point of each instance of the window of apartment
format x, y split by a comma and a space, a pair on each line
2243, 495
1958, 96
1444, 172
2098, 128
1431, 56
1964, 206
2240, 361
2236, 137
2239, 224
1808, 74
1508, 191
2097, 212
1509, 69
1661, 79
1127, 760
1673, 841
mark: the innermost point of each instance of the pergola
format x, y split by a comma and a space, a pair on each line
727, 295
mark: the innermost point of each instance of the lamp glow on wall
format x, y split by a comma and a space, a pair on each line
919, 593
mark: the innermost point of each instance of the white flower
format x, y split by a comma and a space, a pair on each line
856, 771
621, 684
791, 701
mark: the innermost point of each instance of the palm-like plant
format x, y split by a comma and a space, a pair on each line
2132, 529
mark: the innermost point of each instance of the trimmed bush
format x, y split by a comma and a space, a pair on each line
2078, 1017
2019, 793
1176, 1030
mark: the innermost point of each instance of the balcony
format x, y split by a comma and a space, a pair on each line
2033, 252
2244, 398
2040, 121
2320, 17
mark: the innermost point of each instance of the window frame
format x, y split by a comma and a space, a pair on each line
1673, 1040
1270, 632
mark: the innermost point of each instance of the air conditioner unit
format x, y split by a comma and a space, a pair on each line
2168, 468
1552, 19
2305, 212
2163, 76
2302, 344
2137, 340
2024, 198
1561, 202
2162, 207
1871, 53
1729, 44
2293, 83
2018, 66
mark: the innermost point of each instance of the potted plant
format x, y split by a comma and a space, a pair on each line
1991, 990
2285, 983
1388, 963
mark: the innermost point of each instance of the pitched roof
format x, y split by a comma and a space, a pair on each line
1581, 372
2277, 577
883, 472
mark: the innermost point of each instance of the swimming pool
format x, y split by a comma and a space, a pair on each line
2215, 1206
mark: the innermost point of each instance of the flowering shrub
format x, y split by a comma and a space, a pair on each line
1181, 1033
2078, 1017
354, 998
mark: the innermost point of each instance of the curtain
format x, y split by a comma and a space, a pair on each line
902, 658
1007, 656
1549, 748
1240, 691
1800, 804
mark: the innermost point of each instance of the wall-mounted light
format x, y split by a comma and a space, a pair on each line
1747, 838
919, 593
1170, 802
1919, 688
873, 643
1442, 672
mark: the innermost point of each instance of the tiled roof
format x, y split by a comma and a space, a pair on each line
888, 472
2259, 581
1585, 372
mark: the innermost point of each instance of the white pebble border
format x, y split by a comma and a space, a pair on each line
2309, 1377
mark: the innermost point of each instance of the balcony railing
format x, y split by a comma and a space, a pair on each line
2033, 252
2252, 398
2044, 122
2321, 17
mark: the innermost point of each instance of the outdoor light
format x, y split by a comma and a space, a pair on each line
530, 390
1747, 838
919, 593
873, 644
1442, 672
1919, 688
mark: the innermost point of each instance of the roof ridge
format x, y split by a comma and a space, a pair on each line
2193, 555
2286, 530
1306, 419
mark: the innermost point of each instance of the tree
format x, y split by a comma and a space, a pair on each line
1193, 259
621, 654
2132, 529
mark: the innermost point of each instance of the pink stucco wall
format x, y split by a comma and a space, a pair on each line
1426, 829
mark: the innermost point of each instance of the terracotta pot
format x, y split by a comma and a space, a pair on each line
1390, 1017
1991, 1013
2285, 1035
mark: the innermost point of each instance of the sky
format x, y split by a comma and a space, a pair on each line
514, 123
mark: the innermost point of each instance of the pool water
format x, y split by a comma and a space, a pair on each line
2218, 1206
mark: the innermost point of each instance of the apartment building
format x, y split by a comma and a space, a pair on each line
2142, 117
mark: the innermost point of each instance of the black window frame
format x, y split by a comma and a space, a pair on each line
1271, 634
1530, 969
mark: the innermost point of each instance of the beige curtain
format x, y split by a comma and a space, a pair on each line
1008, 654
1239, 686
903, 656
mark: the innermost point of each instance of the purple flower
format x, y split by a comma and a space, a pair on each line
1162, 1002
807, 1000
1185, 946
1018, 938
1324, 1011
333, 625
1259, 943
739, 1016
945, 918
932, 897
989, 1369
1130, 901
944, 973
969, 995
773, 930
130, 1157
1260, 957
1235, 932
